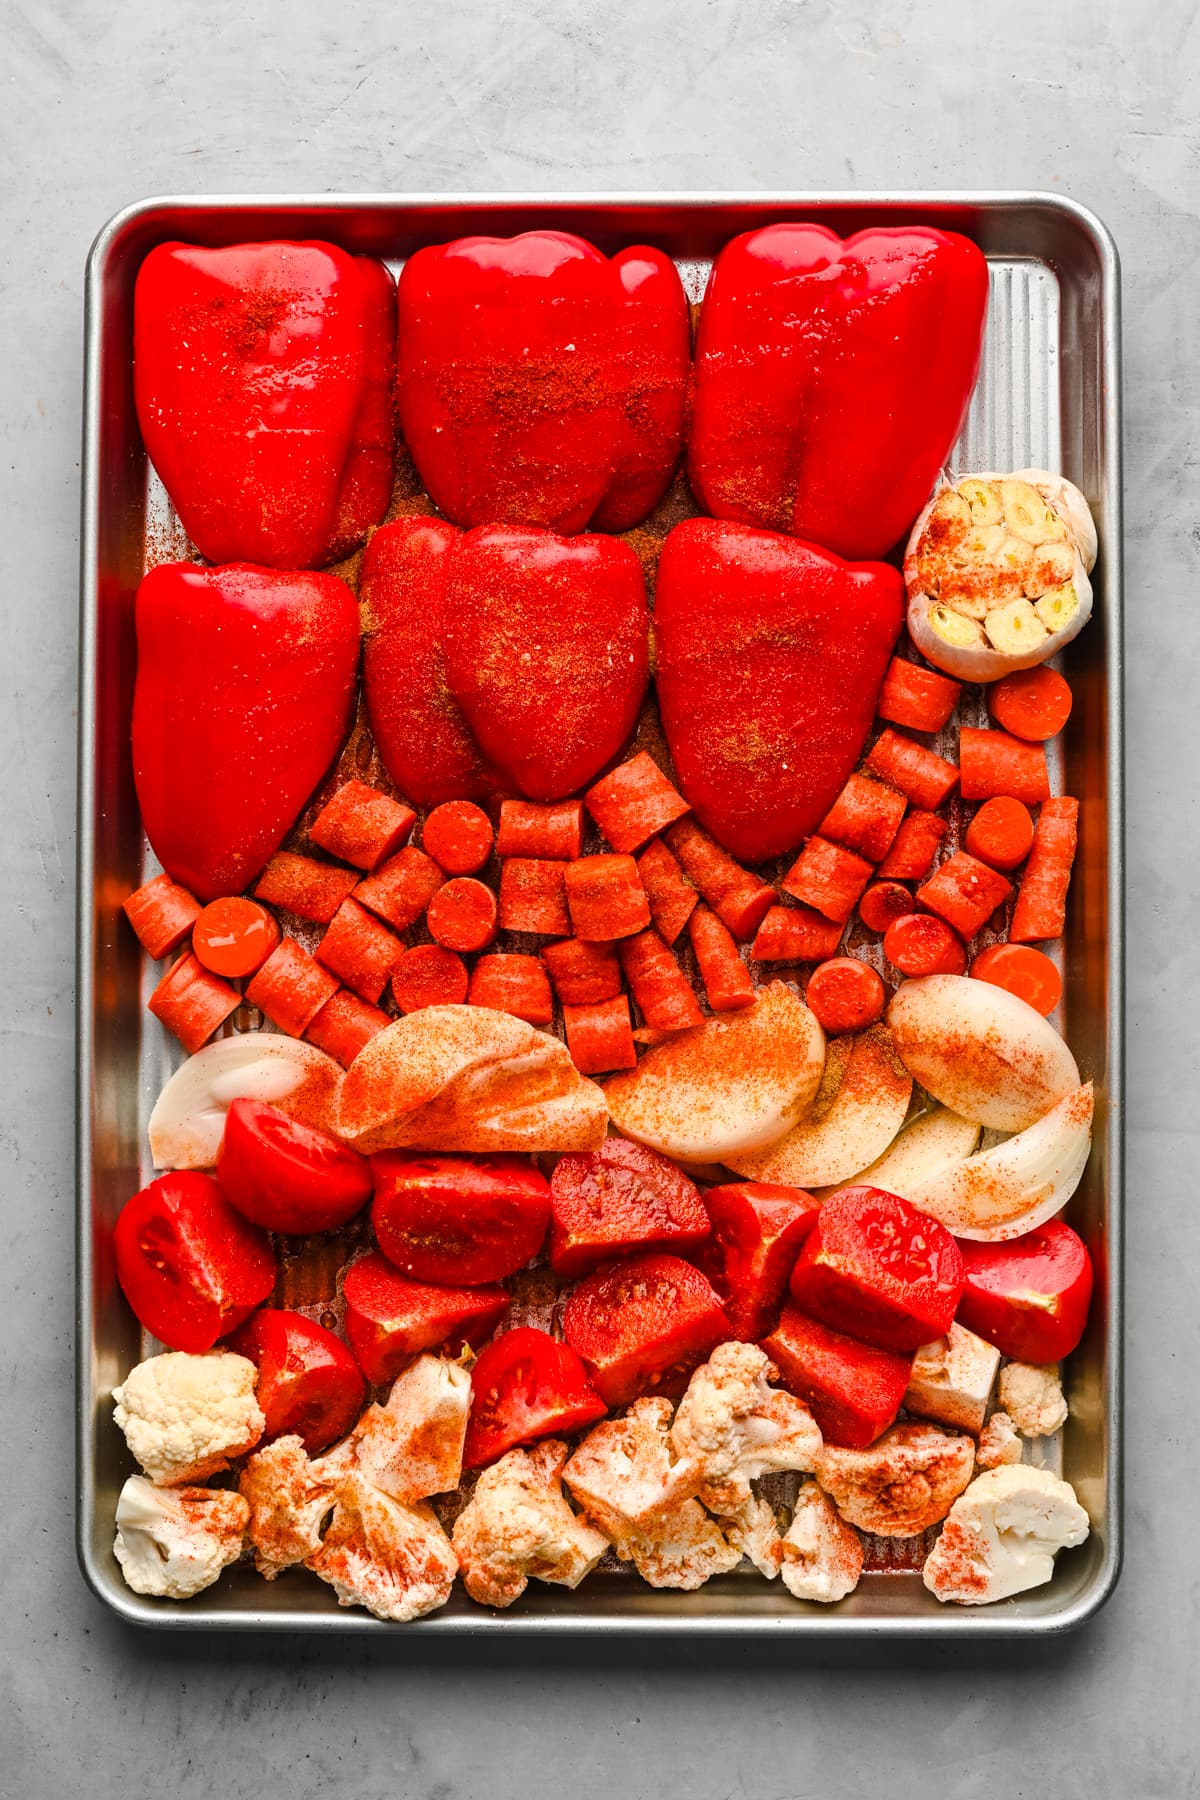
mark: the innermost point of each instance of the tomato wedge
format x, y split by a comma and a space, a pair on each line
877, 1268
1030, 1296
390, 1319
525, 1386
189, 1265
308, 1382
759, 1228
466, 1220
286, 1175
619, 1198
643, 1326
854, 1391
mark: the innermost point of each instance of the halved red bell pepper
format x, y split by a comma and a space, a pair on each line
263, 376
244, 693
877, 1268
832, 378
541, 383
770, 655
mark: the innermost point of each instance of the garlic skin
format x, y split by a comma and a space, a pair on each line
1012, 555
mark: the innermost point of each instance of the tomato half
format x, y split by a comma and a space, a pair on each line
390, 1319
189, 1265
643, 1326
525, 1386
877, 1268
1030, 1296
759, 1228
308, 1382
619, 1198
466, 1220
286, 1175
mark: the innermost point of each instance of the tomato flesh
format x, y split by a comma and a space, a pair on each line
308, 1382
759, 1228
526, 1386
643, 1326
288, 1176
390, 1319
189, 1265
465, 1220
1030, 1296
853, 1390
620, 1198
877, 1268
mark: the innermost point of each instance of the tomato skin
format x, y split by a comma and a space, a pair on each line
308, 1382
854, 1391
189, 1265
390, 1319
526, 1385
876, 1268
643, 1326
1030, 1296
759, 1228
288, 1176
620, 1198
461, 1220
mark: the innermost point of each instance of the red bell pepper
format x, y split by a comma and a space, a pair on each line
244, 693
854, 1390
1030, 1296
263, 378
540, 382
770, 657
832, 378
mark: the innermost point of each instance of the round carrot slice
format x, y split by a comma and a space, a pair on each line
1027, 973
458, 836
234, 936
1001, 833
845, 994
882, 902
428, 975
1033, 704
920, 944
462, 915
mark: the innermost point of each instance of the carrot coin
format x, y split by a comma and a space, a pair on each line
882, 902
458, 836
1033, 704
462, 915
1001, 833
845, 994
1027, 973
429, 975
921, 944
234, 936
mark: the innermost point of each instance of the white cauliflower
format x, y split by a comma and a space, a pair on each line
903, 1483
393, 1559
952, 1379
184, 1417
1002, 1536
290, 1497
822, 1555
518, 1524
754, 1530
174, 1542
1031, 1394
624, 1478
412, 1447
998, 1443
735, 1427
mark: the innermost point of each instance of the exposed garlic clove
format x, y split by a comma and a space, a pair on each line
1052, 565
983, 498
1025, 512
950, 519
984, 543
1014, 628
1057, 608
956, 629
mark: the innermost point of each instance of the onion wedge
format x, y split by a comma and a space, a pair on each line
188, 1121
1004, 1192
933, 1144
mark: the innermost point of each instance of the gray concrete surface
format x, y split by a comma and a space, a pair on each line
104, 102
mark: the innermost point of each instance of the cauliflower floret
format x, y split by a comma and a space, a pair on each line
623, 1477
290, 1498
174, 1542
904, 1483
1002, 1535
754, 1530
952, 1378
735, 1426
998, 1443
1031, 1394
412, 1447
822, 1555
184, 1417
518, 1524
393, 1559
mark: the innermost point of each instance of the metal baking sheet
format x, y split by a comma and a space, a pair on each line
1048, 395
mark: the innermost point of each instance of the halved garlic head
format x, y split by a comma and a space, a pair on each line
997, 573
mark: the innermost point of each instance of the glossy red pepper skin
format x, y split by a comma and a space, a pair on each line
771, 654
263, 378
244, 694
500, 660
643, 1326
832, 378
308, 1382
541, 383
